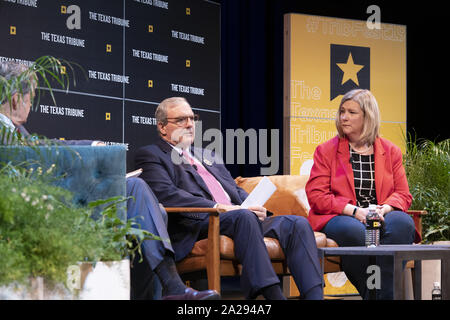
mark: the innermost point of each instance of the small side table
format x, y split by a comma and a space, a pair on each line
402, 253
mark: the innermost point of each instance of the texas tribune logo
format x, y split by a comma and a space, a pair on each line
349, 69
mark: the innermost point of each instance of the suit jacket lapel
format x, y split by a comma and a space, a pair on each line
343, 153
167, 148
380, 161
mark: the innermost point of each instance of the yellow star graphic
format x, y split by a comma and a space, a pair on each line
350, 70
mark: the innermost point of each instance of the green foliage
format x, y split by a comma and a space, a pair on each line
42, 233
35, 228
119, 239
427, 166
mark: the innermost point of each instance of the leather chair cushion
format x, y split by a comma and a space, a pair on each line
227, 247
286, 199
321, 239
331, 243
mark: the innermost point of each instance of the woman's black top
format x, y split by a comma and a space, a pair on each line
364, 178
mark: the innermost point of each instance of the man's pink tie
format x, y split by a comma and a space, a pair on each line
211, 182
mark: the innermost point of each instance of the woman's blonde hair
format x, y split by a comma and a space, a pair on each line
369, 107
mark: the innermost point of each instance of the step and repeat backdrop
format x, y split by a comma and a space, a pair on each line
325, 58
127, 56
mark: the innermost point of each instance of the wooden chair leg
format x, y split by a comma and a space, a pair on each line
417, 217
213, 253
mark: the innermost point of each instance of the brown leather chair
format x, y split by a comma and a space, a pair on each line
216, 253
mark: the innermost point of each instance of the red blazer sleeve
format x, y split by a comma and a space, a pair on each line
322, 199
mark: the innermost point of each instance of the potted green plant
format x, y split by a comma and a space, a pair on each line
427, 166
108, 276
41, 232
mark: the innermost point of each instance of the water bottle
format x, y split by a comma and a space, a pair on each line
373, 227
436, 293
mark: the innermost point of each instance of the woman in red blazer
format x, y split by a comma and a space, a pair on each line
351, 171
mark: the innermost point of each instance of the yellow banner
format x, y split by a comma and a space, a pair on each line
327, 57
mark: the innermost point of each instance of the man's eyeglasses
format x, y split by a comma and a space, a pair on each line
182, 121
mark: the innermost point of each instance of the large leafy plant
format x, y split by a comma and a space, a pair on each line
427, 166
119, 239
42, 232
37, 234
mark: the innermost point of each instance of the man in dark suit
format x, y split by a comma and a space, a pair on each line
158, 255
182, 176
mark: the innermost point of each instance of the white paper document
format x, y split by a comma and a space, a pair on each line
259, 196
134, 173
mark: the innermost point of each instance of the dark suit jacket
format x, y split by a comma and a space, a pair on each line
179, 185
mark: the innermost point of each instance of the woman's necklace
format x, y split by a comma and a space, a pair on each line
361, 151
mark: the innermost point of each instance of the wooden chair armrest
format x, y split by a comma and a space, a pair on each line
211, 211
417, 212
417, 217
213, 251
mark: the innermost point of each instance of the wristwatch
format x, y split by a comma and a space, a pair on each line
354, 212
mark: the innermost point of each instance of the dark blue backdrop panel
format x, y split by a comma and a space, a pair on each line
127, 55
77, 116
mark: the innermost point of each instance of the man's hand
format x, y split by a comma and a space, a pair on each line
260, 212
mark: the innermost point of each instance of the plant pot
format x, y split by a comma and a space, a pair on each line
35, 290
108, 280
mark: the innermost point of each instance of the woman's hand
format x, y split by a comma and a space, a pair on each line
384, 209
361, 214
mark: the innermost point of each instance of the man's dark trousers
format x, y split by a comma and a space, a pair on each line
294, 235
